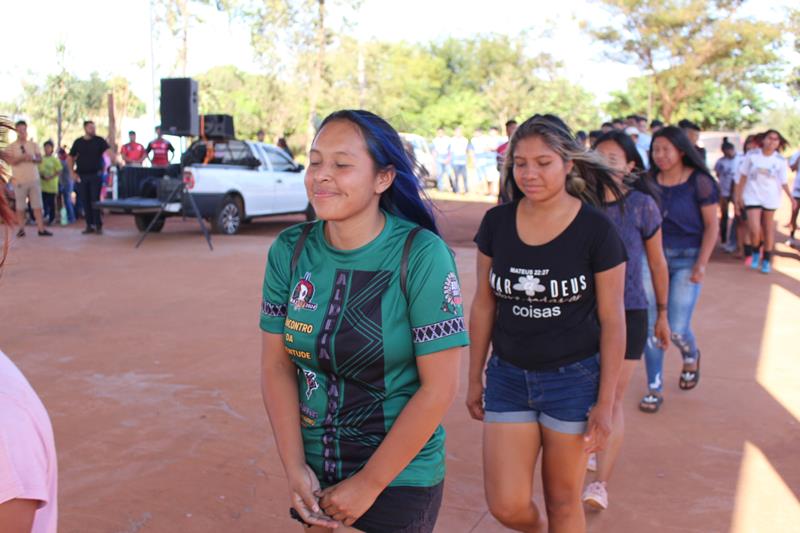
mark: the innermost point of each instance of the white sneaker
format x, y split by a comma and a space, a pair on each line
591, 465
596, 496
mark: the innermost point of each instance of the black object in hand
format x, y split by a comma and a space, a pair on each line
294, 514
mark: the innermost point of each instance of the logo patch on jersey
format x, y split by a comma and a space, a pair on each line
452, 294
311, 383
302, 294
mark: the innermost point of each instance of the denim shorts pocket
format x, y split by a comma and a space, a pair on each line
589, 368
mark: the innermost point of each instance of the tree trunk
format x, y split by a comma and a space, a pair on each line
112, 128
184, 53
316, 77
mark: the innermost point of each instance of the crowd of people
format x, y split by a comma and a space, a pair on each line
64, 186
595, 258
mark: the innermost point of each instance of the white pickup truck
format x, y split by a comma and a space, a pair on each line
230, 181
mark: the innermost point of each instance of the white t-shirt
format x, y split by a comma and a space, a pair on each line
458, 149
792, 161
28, 466
765, 176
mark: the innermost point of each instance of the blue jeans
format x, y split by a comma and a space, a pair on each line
459, 171
66, 194
683, 295
443, 171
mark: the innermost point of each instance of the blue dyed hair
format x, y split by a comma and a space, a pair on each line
405, 197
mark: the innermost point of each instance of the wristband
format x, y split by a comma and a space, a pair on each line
661, 307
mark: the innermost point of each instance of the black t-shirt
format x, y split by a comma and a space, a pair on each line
89, 154
546, 303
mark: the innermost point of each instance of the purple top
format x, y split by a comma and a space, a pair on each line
637, 222
680, 209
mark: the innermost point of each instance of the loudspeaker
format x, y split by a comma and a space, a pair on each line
179, 107
218, 127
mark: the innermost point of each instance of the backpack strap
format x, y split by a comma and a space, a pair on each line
404, 260
298, 247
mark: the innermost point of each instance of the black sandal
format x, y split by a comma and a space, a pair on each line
690, 378
651, 402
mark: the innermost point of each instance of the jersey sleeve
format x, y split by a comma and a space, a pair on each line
707, 190
104, 144
275, 297
608, 250
435, 302
74, 150
650, 218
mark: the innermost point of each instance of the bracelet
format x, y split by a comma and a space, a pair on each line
661, 307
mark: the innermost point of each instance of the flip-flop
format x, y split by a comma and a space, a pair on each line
651, 403
690, 378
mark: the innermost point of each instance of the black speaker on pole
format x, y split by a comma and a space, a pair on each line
179, 107
218, 127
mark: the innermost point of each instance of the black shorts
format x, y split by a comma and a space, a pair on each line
403, 510
636, 324
749, 207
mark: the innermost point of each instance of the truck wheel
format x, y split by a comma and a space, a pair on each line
229, 217
311, 215
142, 221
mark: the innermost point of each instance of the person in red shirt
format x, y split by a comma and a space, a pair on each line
162, 150
133, 153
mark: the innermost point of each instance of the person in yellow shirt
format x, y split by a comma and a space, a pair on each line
23, 155
49, 171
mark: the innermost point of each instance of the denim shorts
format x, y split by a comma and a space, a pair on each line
558, 399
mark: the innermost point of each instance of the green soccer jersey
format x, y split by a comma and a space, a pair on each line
354, 337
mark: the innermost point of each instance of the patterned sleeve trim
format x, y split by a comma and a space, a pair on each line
273, 310
439, 330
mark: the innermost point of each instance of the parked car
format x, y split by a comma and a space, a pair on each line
426, 166
231, 182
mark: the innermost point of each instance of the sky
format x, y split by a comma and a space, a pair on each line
112, 37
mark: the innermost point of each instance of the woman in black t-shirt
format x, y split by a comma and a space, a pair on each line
551, 278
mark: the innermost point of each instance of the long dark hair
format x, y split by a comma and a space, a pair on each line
782, 142
589, 177
638, 178
405, 197
678, 139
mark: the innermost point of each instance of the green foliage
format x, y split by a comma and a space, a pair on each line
256, 101
716, 107
785, 119
80, 99
684, 44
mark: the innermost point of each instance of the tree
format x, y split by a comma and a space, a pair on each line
680, 44
716, 107
75, 100
178, 16
256, 101
302, 27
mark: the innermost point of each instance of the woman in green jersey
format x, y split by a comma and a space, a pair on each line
362, 329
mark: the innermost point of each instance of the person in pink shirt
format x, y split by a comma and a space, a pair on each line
28, 466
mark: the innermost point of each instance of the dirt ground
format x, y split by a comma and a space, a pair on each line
147, 361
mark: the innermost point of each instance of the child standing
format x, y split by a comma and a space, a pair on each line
49, 170
726, 168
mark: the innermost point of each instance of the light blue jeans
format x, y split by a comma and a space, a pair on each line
683, 295
443, 172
